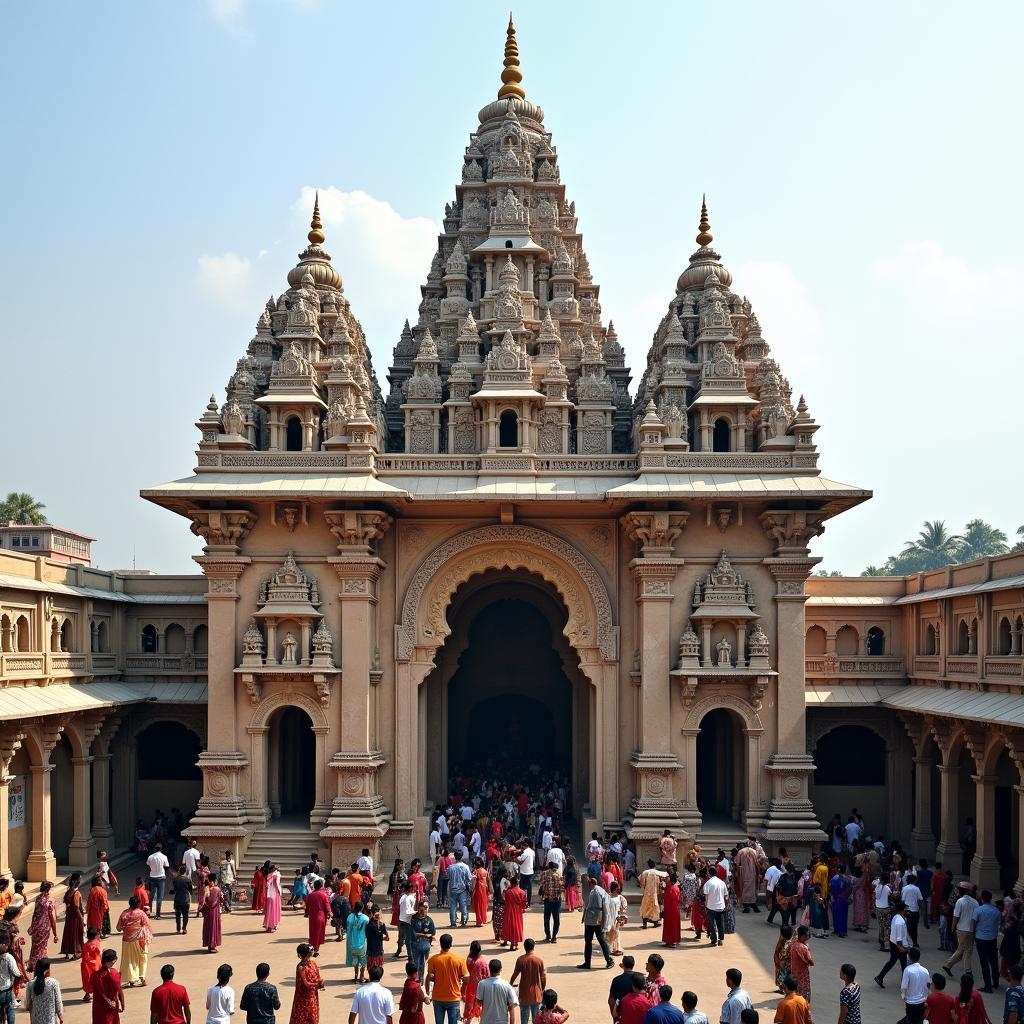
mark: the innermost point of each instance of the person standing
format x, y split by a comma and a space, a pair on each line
272, 904
969, 1007
421, 938
664, 1012
133, 924
42, 997
1013, 1003
621, 986
883, 911
515, 901
459, 882
497, 997
90, 962
716, 897
481, 891
355, 943
671, 923
619, 907
651, 881
259, 887
899, 945
376, 936
169, 1002
963, 927
525, 860
911, 897
987, 920
10, 972
191, 858
533, 979
940, 1006
308, 985
914, 987
220, 997
633, 1006
211, 900
260, 999
44, 924
107, 994
596, 918
801, 961
226, 880
849, 996
446, 982
413, 998
667, 845
737, 999
406, 912
97, 908
691, 1015
772, 874
839, 889
794, 1008
181, 898
746, 865
551, 889
317, 911
74, 919
158, 864
372, 1003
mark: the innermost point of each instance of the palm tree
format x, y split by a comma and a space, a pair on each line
935, 547
1019, 546
23, 509
981, 540
875, 570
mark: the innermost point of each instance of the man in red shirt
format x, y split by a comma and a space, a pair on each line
169, 1002
633, 1007
939, 1007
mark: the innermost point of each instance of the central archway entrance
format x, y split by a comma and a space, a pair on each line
292, 766
507, 696
720, 770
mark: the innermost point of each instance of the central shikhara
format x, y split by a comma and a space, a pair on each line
508, 459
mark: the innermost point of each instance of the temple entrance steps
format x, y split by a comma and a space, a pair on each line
719, 833
287, 846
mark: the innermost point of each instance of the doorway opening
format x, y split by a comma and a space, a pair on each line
292, 767
720, 769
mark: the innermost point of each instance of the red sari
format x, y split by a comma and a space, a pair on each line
411, 1004
44, 924
97, 905
670, 921
74, 924
318, 910
106, 989
515, 904
477, 972
91, 963
259, 890
306, 1002
142, 895
480, 878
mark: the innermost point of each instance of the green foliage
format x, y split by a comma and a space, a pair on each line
23, 509
935, 547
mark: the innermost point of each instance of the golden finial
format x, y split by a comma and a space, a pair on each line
511, 76
316, 234
704, 237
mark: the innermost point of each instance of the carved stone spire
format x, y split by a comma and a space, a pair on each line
511, 76
704, 236
316, 234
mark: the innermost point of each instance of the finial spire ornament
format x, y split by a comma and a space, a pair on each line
704, 236
316, 234
511, 76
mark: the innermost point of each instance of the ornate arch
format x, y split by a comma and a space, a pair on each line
194, 724
288, 698
819, 728
728, 701
438, 576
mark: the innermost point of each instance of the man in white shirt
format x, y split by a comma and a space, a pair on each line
525, 861
467, 812
716, 893
899, 945
914, 987
724, 862
9, 974
963, 924
497, 997
442, 823
772, 874
435, 849
372, 1004
882, 911
158, 865
547, 837
911, 896
406, 909
556, 858
191, 857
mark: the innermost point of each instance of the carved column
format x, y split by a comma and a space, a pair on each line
658, 804
42, 864
358, 816
220, 816
985, 865
10, 742
102, 830
948, 850
922, 837
82, 848
791, 820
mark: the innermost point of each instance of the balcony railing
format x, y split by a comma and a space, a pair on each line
180, 664
855, 665
1004, 665
19, 665
962, 665
926, 666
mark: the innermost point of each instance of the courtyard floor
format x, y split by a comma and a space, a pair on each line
584, 993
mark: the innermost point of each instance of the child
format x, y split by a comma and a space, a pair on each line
698, 915
91, 961
947, 940
299, 890
551, 1012
413, 997
142, 893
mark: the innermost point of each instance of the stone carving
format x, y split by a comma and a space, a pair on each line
357, 531
323, 641
289, 585
232, 417
288, 648
252, 639
723, 653
221, 528
656, 532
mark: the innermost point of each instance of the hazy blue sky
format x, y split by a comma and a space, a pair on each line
862, 165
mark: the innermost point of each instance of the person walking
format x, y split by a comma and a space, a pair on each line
317, 911
308, 986
746, 866
596, 919
372, 1003
551, 889
478, 970
883, 912
801, 961
260, 1000
90, 963
43, 925
191, 858
497, 998
716, 898
181, 899
912, 898
211, 901
963, 928
914, 987
421, 931
619, 916
42, 996
671, 922
899, 945
459, 881
651, 882
226, 880
133, 924
169, 1002
158, 864
272, 903
73, 936
737, 1000
107, 993
969, 1006
446, 982
532, 976
259, 887
987, 920
97, 907
526, 860
355, 943
481, 891
220, 997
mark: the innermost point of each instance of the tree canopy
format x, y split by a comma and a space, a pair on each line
21, 508
935, 546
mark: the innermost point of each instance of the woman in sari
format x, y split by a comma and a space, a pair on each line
91, 961
97, 908
10, 934
396, 884
481, 891
818, 911
108, 996
499, 883
355, 942
801, 962
839, 891
308, 984
74, 920
272, 905
476, 964
44, 924
670, 921
688, 889
515, 904
571, 877
133, 924
780, 958
860, 894
211, 902
259, 887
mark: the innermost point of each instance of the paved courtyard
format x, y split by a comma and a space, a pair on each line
695, 966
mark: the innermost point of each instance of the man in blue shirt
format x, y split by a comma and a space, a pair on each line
459, 880
986, 935
1013, 1008
664, 1012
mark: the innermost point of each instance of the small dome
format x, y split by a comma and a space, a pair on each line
317, 263
705, 260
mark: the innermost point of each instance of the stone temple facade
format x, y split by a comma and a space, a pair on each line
511, 537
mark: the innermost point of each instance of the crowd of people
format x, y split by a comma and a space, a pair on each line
496, 849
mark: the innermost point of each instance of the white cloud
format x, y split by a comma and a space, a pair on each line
225, 10
788, 316
228, 280
947, 284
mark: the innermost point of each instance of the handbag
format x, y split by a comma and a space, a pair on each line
805, 918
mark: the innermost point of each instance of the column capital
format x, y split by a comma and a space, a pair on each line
222, 573
655, 532
358, 575
984, 780
792, 529
358, 530
654, 577
790, 573
222, 529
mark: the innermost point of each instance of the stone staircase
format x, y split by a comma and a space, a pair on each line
288, 848
719, 832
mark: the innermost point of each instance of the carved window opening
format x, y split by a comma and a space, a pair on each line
293, 434
930, 640
21, 634
847, 641
200, 640
508, 243
67, 639
6, 633
508, 429
721, 438
149, 640
814, 644
102, 638
963, 637
876, 641
174, 639
1004, 639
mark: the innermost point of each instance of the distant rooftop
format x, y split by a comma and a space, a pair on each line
47, 540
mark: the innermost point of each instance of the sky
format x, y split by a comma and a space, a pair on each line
861, 163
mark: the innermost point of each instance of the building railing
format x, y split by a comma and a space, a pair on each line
1004, 665
18, 664
184, 664
926, 666
962, 665
854, 665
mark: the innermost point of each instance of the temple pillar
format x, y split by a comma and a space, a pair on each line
358, 816
922, 838
82, 732
948, 850
985, 865
1019, 884
102, 829
658, 804
10, 741
41, 865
